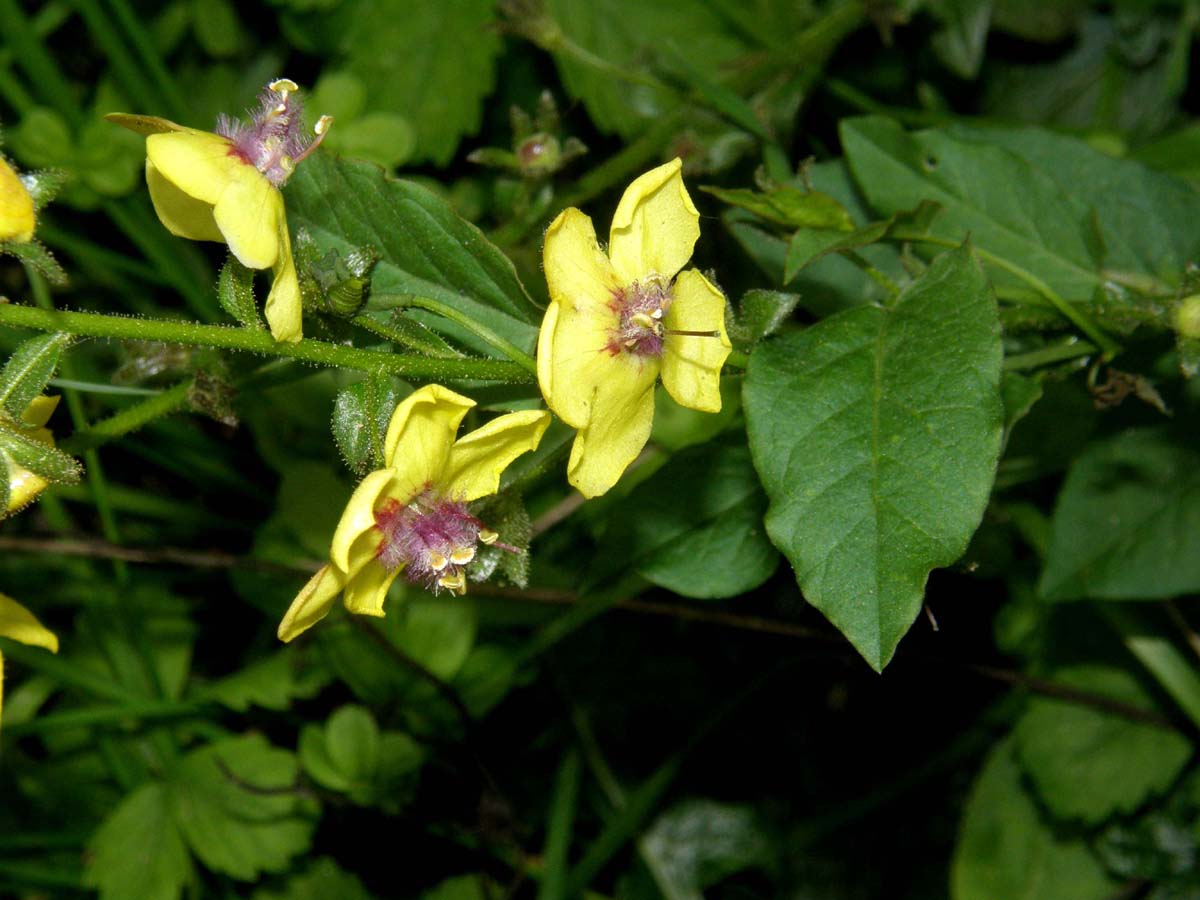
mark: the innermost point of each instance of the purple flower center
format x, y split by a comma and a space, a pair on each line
433, 538
274, 140
640, 308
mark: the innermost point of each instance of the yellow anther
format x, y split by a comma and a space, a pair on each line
631, 343
657, 314
643, 320
437, 561
283, 86
462, 555
456, 582
488, 537
322, 125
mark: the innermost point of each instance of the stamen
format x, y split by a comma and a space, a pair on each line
643, 320
693, 333
319, 130
488, 537
456, 582
462, 555
437, 561
283, 86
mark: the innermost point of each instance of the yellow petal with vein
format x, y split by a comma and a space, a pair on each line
419, 437
283, 308
182, 214
479, 459
576, 333
655, 226
367, 591
249, 213
691, 365
358, 519
312, 604
20, 624
623, 411
199, 163
16, 207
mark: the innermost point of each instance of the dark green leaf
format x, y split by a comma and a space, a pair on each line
1006, 850
235, 291
697, 843
271, 682
876, 434
810, 244
1127, 524
695, 527
360, 420
352, 740
426, 249
1089, 764
787, 205
762, 313
963, 35
138, 850
1037, 228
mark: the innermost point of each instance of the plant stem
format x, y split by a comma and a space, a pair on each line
512, 351
1049, 355
131, 419
240, 339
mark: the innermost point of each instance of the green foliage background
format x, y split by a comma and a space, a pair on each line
910, 618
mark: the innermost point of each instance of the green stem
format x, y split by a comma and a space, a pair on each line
240, 339
512, 351
737, 360
1049, 355
131, 419
396, 336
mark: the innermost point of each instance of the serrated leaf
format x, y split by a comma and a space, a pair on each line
234, 804
1037, 228
876, 434
787, 205
1006, 850
271, 682
1089, 764
42, 459
28, 370
360, 419
426, 248
138, 850
695, 526
318, 765
235, 291
323, 880
436, 633
1127, 523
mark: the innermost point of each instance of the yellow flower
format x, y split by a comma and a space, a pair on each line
225, 187
18, 623
412, 515
23, 485
16, 207
617, 321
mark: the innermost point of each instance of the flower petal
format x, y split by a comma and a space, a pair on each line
20, 624
478, 460
283, 308
691, 366
420, 435
16, 207
146, 125
312, 604
183, 215
248, 213
199, 163
357, 519
579, 324
655, 226
367, 591
622, 413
